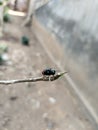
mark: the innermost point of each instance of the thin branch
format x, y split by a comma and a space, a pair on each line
43, 78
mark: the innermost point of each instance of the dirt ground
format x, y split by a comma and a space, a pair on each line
40, 105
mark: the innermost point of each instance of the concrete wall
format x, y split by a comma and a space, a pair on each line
74, 23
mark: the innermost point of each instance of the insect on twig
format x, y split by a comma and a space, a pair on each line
46, 76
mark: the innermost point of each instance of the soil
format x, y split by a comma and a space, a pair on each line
39, 105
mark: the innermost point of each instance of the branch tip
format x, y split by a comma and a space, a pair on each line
49, 78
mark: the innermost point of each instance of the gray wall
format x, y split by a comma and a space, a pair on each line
75, 25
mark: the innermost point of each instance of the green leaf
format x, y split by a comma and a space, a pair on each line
6, 18
1, 3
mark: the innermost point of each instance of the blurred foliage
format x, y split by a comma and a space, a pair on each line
6, 9
25, 40
6, 18
1, 3
1, 60
3, 48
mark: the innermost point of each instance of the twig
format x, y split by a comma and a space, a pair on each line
52, 78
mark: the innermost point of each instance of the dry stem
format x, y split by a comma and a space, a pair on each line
52, 78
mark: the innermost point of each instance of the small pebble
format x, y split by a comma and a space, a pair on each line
52, 100
38, 54
5, 57
35, 104
45, 115
50, 123
13, 98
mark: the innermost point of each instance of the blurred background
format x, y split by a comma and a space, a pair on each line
39, 34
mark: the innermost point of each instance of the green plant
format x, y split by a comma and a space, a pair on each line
1, 3
3, 48
6, 18
25, 40
1, 59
